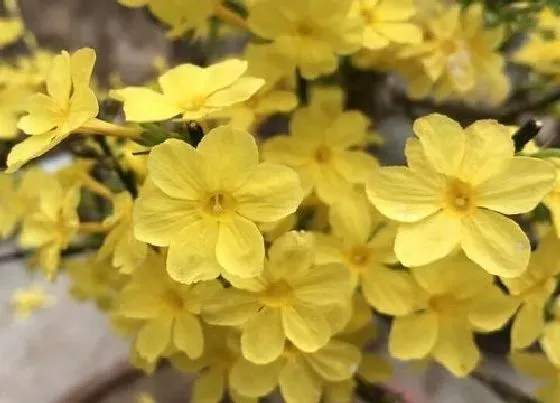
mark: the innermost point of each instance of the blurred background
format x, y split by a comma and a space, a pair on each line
67, 353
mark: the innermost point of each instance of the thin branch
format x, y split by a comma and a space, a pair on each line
507, 392
372, 393
126, 178
531, 106
302, 89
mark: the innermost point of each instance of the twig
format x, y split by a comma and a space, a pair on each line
504, 390
302, 89
126, 178
531, 106
371, 393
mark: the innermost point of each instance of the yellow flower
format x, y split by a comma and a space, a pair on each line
325, 150
534, 288
544, 368
12, 105
11, 29
272, 98
386, 22
451, 194
191, 91
288, 302
69, 105
460, 299
168, 310
127, 252
460, 59
300, 375
93, 279
364, 242
31, 299
203, 203
53, 224
9, 207
552, 200
308, 33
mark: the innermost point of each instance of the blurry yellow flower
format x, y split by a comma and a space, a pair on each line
450, 195
288, 302
9, 207
127, 252
12, 105
69, 105
272, 98
308, 33
203, 203
51, 227
459, 59
534, 288
191, 91
460, 299
300, 375
387, 21
11, 29
145, 398
169, 310
325, 150
31, 299
552, 200
363, 241
95, 280
537, 366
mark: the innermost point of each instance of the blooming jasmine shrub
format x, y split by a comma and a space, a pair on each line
263, 254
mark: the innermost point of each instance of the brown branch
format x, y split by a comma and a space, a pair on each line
507, 392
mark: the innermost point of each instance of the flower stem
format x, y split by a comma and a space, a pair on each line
228, 16
93, 227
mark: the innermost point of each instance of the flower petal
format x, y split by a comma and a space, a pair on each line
262, 340
455, 348
496, 243
153, 338
323, 285
551, 342
192, 253
271, 193
336, 361
428, 240
403, 195
159, 218
390, 291
42, 117
414, 336
59, 79
492, 309
240, 91
351, 219
298, 383
253, 380
527, 325
230, 307
32, 147
81, 64
354, 166
178, 170
443, 141
230, 156
209, 387
240, 248
187, 335
145, 105
306, 327
519, 188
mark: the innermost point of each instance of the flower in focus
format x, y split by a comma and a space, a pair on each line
203, 203
534, 288
386, 22
308, 33
459, 299
363, 241
127, 252
191, 91
29, 300
289, 302
326, 150
457, 183
69, 105
459, 59
167, 310
53, 224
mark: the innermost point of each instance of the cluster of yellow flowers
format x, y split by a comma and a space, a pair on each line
260, 261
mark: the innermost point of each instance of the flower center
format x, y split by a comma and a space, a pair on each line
359, 257
196, 102
305, 29
277, 294
323, 154
459, 197
367, 15
445, 304
218, 204
173, 300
